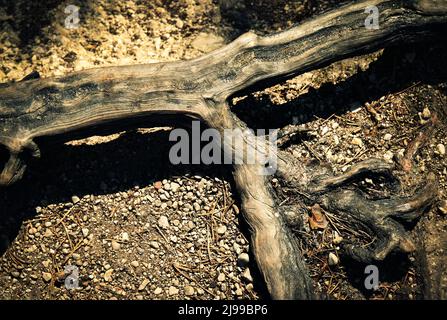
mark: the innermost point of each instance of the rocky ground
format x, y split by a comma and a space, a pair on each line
135, 227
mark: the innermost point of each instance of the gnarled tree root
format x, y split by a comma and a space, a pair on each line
102, 100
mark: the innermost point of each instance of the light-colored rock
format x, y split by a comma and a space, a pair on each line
246, 276
387, 137
143, 285
189, 291
75, 199
135, 264
158, 291
443, 207
221, 277
333, 259
337, 239
357, 142
172, 291
115, 245
426, 114
221, 230
243, 259
163, 222
85, 232
108, 275
174, 187
441, 149
125, 236
47, 276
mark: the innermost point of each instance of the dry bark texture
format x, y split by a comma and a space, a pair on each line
98, 101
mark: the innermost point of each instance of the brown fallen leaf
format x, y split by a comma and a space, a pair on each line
317, 220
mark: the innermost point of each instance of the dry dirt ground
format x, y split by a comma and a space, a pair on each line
132, 226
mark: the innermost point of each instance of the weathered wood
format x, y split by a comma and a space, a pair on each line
100, 100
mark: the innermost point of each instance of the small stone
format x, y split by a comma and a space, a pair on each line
221, 277
174, 187
135, 264
47, 276
333, 259
108, 275
221, 230
238, 292
158, 290
32, 230
387, 137
143, 285
388, 156
179, 23
243, 259
158, 185
441, 149
75, 199
163, 222
337, 239
85, 232
125, 236
172, 291
246, 276
115, 245
189, 291
154, 244
443, 207
426, 114
357, 142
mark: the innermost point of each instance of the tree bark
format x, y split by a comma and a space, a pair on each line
101, 100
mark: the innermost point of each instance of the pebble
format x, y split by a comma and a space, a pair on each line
144, 284
243, 259
333, 259
125, 236
443, 207
387, 137
174, 187
158, 290
163, 222
75, 199
246, 276
221, 277
337, 239
357, 142
388, 156
441, 149
108, 275
154, 244
46, 276
221, 230
135, 264
189, 291
85, 232
426, 114
172, 291
115, 245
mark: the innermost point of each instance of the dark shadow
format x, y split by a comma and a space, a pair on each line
398, 69
30, 17
263, 16
394, 268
